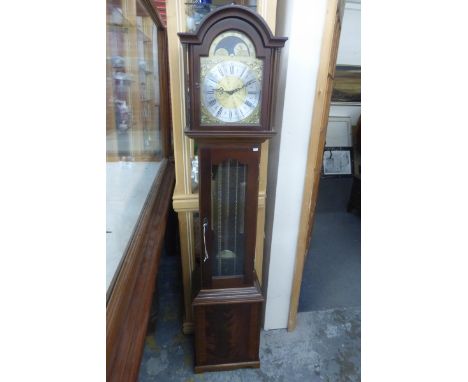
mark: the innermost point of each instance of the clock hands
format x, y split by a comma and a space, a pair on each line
230, 92
242, 87
221, 90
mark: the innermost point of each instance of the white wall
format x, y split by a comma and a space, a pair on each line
303, 23
346, 111
349, 49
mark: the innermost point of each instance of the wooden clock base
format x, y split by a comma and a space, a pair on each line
227, 328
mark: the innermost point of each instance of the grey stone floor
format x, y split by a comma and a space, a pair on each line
332, 271
325, 346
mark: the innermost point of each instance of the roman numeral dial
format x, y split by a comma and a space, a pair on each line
231, 91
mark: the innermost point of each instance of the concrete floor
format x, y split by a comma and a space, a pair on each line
326, 345
332, 271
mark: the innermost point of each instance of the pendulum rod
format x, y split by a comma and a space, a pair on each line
220, 200
235, 217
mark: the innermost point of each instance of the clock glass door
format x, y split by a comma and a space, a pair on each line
229, 189
228, 184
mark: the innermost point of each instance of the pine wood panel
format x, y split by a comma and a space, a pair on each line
320, 113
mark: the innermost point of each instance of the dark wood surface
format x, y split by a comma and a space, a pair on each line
236, 11
233, 17
165, 119
129, 304
227, 328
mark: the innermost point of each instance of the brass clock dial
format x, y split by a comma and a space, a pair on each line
231, 81
231, 91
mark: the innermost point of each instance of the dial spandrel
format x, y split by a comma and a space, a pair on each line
231, 81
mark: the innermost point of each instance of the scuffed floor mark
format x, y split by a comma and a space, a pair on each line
346, 363
331, 331
151, 343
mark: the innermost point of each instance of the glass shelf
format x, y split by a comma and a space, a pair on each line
116, 18
133, 123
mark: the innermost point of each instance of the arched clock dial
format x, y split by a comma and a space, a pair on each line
231, 91
231, 81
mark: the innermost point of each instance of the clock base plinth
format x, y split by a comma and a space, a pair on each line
227, 328
228, 366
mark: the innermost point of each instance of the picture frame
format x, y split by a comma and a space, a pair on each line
347, 85
337, 162
339, 132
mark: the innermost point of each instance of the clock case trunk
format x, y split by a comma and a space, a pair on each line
227, 309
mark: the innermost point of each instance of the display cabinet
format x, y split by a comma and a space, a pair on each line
140, 176
133, 129
185, 198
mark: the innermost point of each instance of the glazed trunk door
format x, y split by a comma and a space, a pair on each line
228, 195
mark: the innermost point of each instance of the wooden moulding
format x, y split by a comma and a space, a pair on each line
185, 203
240, 136
234, 11
129, 303
228, 296
227, 366
189, 203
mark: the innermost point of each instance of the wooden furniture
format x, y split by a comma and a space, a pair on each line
129, 304
185, 198
231, 76
135, 32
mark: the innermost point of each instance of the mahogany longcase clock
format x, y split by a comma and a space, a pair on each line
230, 80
